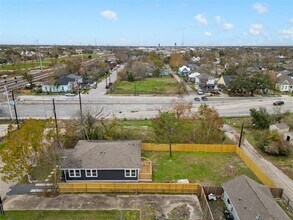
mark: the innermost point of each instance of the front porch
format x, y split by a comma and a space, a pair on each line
145, 174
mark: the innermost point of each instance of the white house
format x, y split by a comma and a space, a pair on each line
285, 81
192, 76
184, 70
195, 59
63, 84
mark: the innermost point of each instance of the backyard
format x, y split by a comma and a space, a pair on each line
159, 86
202, 167
285, 163
65, 214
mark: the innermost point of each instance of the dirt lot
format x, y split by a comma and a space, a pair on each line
150, 206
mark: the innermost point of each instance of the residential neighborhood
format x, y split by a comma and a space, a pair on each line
146, 110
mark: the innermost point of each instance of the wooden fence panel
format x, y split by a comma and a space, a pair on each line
128, 187
190, 147
255, 169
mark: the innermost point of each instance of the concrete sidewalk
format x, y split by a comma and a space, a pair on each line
148, 204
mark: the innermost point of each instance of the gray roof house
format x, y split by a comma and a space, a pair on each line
102, 161
281, 128
247, 199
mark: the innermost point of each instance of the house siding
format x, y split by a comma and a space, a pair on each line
230, 206
103, 175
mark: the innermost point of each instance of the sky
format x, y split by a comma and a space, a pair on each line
147, 22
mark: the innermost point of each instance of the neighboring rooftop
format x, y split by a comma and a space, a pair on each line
103, 154
281, 126
252, 200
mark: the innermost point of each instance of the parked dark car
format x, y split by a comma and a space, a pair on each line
197, 99
279, 103
228, 215
204, 98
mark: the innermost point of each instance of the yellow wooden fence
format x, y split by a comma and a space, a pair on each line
88, 187
189, 147
255, 169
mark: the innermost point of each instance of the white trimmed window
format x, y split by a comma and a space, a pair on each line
91, 173
130, 173
74, 173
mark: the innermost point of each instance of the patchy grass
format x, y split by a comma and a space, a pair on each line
287, 210
137, 123
166, 85
202, 167
2, 145
71, 215
284, 163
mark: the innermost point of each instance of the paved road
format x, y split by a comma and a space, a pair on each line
135, 107
276, 175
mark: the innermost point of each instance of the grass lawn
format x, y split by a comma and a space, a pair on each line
285, 163
202, 167
2, 146
164, 85
64, 214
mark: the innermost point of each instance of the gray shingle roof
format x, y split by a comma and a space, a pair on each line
103, 154
251, 199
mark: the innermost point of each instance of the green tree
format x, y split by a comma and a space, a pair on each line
23, 149
168, 128
157, 61
28, 77
260, 118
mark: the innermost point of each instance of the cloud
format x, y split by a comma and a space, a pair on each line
218, 18
260, 8
287, 33
208, 33
201, 19
256, 29
291, 20
228, 26
244, 33
108, 14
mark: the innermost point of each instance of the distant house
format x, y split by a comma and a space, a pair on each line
281, 128
192, 76
184, 71
247, 199
225, 80
63, 84
195, 59
164, 73
102, 161
284, 81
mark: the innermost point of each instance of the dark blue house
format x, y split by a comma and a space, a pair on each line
106, 161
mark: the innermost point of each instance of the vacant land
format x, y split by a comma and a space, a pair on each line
202, 167
64, 214
160, 86
285, 163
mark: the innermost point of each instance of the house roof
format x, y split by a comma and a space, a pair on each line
227, 79
283, 77
251, 199
103, 154
281, 125
64, 80
184, 68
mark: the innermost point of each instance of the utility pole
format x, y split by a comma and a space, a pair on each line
15, 111
9, 106
55, 117
80, 107
241, 134
40, 59
1, 207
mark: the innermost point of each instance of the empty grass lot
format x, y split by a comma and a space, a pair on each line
160, 86
203, 167
284, 163
71, 215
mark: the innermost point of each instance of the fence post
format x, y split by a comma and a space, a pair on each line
1, 207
